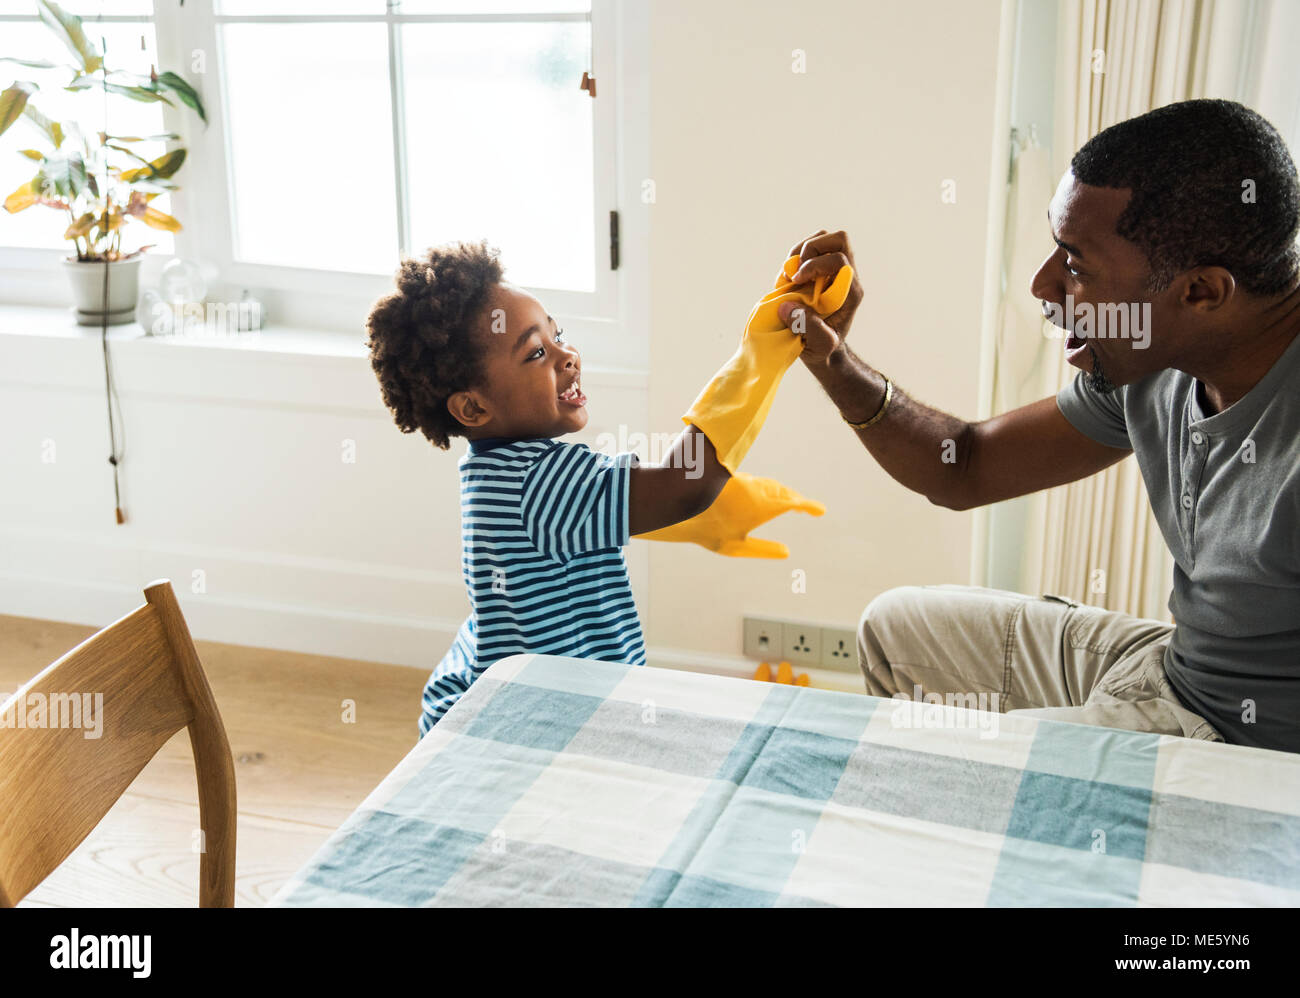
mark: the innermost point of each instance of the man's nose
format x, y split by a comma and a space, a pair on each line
1040, 286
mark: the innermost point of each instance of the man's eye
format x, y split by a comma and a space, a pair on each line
559, 333
1072, 271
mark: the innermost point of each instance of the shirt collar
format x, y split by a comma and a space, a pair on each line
1246, 409
489, 443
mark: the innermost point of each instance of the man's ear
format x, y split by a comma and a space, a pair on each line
467, 409
1210, 287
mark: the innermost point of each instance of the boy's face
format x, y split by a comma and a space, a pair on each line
530, 375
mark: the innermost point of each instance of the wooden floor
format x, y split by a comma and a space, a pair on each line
299, 769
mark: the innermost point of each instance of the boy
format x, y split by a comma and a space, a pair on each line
459, 352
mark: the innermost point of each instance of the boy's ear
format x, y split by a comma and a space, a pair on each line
465, 407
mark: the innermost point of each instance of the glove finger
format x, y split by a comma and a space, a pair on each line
780, 497
810, 506
754, 547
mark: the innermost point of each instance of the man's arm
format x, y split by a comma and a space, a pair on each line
952, 462
684, 486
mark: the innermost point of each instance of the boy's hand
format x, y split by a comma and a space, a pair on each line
746, 502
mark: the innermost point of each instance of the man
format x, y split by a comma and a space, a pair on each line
1191, 210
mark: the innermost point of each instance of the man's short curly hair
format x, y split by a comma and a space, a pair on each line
423, 346
1213, 185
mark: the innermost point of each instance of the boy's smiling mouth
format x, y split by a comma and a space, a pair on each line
573, 394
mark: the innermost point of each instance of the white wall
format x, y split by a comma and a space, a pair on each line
233, 462
747, 157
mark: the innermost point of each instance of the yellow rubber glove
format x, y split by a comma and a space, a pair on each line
744, 503
733, 406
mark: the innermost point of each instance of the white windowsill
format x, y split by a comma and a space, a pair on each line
59, 322
27, 328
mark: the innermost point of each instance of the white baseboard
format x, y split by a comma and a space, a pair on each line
418, 642
373, 637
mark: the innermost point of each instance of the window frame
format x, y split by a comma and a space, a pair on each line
339, 300
198, 28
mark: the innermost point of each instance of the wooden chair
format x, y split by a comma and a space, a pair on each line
56, 784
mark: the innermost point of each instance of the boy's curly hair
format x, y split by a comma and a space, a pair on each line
423, 346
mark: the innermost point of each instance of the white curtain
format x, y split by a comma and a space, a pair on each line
1096, 540
1022, 350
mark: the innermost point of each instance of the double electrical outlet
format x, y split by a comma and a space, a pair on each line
771, 639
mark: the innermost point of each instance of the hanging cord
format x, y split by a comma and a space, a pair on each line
116, 454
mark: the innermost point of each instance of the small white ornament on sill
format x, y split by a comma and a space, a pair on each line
182, 283
154, 315
251, 314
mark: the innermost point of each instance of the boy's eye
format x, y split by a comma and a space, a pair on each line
540, 352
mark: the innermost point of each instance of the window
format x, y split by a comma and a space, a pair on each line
472, 121
344, 134
128, 42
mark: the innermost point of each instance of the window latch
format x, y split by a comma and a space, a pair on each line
588, 83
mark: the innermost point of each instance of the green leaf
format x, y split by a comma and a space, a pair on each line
68, 28
30, 63
52, 129
154, 186
161, 168
138, 138
13, 101
66, 173
188, 95
133, 155
142, 94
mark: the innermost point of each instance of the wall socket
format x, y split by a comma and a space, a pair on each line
801, 644
771, 639
840, 648
763, 640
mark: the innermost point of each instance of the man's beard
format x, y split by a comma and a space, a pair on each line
1096, 378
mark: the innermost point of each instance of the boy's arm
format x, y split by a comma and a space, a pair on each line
683, 486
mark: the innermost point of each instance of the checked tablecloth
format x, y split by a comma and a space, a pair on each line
562, 781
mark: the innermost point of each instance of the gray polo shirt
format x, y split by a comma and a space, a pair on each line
1226, 493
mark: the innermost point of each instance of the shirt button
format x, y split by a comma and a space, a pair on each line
1187, 502
1198, 438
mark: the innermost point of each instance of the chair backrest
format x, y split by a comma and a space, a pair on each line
74, 737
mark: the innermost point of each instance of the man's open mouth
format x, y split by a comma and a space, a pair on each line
573, 394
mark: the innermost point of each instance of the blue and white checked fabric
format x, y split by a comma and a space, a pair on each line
561, 781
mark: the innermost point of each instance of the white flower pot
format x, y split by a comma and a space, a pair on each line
87, 278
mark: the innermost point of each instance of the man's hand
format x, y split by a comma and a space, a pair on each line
822, 255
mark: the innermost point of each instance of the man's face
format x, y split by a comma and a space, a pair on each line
1094, 266
527, 367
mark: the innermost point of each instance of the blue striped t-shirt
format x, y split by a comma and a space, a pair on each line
543, 525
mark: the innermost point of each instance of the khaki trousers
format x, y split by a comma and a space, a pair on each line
1042, 656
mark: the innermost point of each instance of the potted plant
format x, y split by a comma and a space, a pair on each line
102, 184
